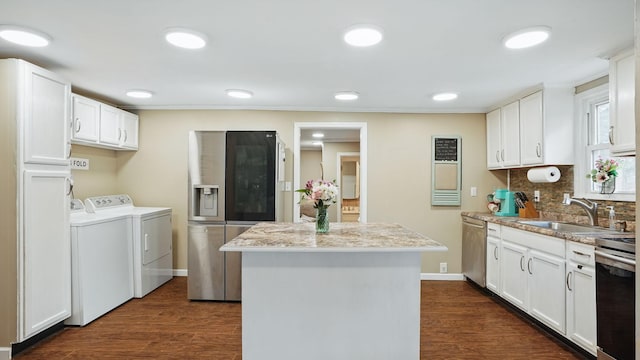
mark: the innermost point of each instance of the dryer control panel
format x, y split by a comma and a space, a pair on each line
107, 202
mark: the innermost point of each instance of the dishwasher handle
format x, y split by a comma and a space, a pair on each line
480, 224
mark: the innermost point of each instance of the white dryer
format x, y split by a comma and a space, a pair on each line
101, 263
152, 240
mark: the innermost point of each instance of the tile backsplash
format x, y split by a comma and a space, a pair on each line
551, 194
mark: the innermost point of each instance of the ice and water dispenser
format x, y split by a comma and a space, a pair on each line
205, 200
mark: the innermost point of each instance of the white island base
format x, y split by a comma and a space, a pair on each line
327, 301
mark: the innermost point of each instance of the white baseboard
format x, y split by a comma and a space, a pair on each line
176, 272
5, 353
423, 276
439, 276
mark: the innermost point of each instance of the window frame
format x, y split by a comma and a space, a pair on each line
581, 184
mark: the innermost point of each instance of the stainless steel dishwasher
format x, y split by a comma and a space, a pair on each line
474, 250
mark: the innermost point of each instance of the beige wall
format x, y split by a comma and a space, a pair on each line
101, 178
310, 165
398, 167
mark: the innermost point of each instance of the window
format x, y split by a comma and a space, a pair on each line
592, 108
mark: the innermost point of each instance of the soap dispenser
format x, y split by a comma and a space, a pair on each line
612, 218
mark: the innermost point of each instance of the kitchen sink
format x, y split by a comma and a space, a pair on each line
564, 227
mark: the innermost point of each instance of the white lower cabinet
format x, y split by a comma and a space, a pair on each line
493, 259
44, 264
546, 289
533, 273
581, 296
549, 278
514, 276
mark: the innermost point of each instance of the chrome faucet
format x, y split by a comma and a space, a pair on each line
589, 206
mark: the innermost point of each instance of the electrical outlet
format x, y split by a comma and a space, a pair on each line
443, 267
536, 195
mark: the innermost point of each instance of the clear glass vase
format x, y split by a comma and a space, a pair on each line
609, 186
322, 220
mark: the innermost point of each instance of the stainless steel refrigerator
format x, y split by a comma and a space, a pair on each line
235, 181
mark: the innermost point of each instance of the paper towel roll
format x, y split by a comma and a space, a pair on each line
547, 174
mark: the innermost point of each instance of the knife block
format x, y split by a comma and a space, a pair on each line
529, 211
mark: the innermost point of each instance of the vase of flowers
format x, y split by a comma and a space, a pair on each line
605, 173
322, 193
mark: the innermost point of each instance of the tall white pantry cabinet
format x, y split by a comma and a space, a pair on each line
35, 178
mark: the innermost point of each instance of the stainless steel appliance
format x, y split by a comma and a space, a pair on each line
474, 250
235, 181
615, 297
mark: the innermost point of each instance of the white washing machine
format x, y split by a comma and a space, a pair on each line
101, 263
152, 240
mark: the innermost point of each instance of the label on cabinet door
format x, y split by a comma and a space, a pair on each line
79, 163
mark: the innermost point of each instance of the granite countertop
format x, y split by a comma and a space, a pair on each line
582, 237
342, 237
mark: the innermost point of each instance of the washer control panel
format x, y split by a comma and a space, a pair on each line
107, 202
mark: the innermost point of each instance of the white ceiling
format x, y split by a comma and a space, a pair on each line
291, 55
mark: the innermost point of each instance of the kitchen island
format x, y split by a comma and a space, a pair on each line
353, 293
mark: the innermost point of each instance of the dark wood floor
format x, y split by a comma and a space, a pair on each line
457, 322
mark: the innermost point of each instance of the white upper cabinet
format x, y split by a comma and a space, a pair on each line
110, 118
100, 125
536, 130
546, 127
494, 145
47, 122
531, 129
129, 130
510, 134
503, 131
86, 118
622, 133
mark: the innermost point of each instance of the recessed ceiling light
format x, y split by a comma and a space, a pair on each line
527, 37
24, 36
139, 94
185, 38
318, 135
317, 143
362, 35
445, 96
239, 93
346, 95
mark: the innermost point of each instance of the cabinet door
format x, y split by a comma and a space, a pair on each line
622, 109
46, 120
129, 138
581, 305
547, 289
86, 116
110, 132
531, 122
494, 144
493, 264
44, 259
514, 275
510, 135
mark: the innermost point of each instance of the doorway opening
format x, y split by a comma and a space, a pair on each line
298, 182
